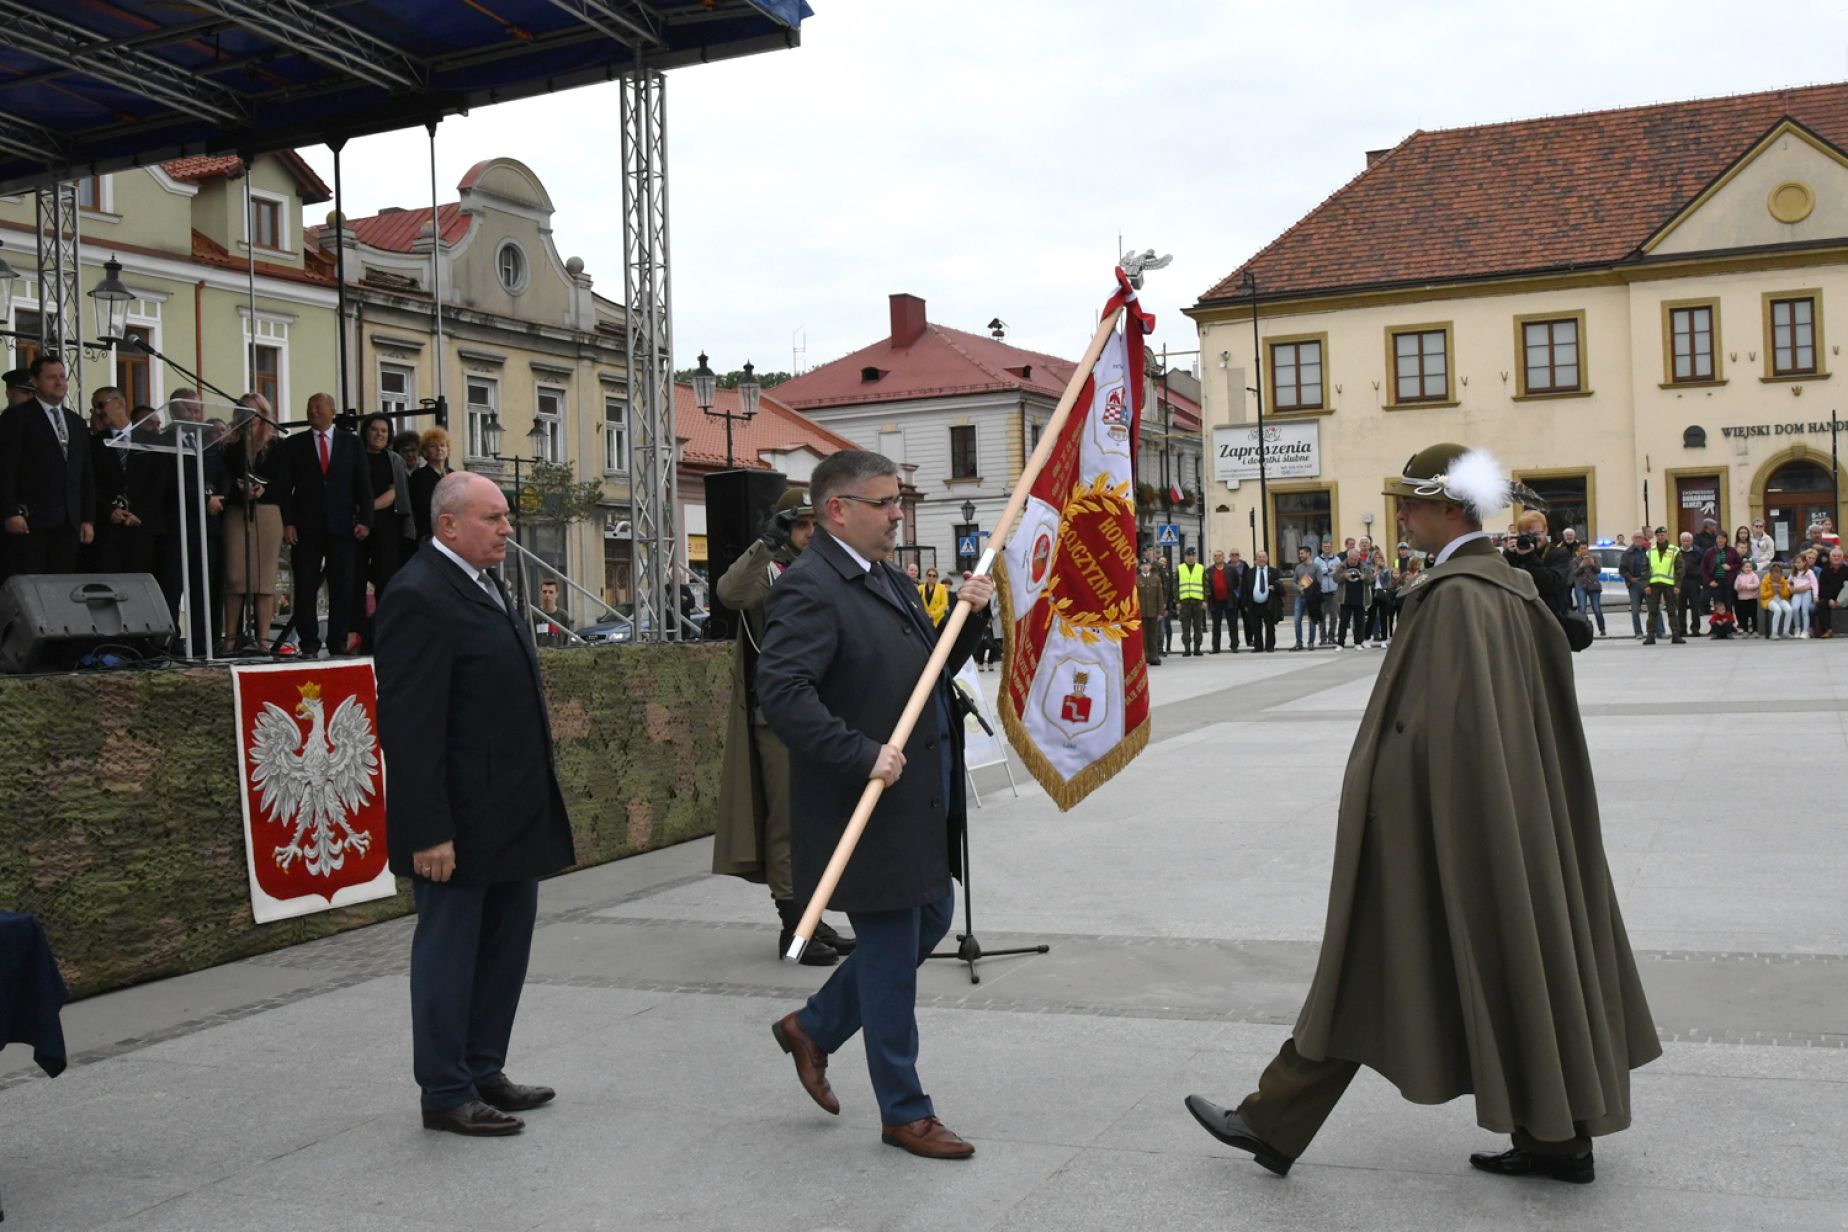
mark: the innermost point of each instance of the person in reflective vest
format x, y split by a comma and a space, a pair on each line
1191, 593
1664, 565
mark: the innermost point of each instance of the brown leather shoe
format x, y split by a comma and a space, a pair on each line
929, 1137
811, 1062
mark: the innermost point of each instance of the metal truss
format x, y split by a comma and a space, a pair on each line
653, 460
59, 41
28, 140
318, 34
626, 23
60, 304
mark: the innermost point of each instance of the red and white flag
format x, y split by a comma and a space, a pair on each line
1075, 697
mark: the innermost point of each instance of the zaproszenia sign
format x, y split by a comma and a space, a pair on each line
1291, 451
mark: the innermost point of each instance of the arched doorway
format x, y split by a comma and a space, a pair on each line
1798, 494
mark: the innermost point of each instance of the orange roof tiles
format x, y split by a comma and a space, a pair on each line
1528, 196
212, 166
776, 428
939, 363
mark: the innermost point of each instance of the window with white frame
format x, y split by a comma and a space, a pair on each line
268, 223
483, 398
615, 434
266, 360
549, 415
397, 388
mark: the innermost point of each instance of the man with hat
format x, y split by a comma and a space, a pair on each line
1190, 587
1473, 943
752, 839
18, 384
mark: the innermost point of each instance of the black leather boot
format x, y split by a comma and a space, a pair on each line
817, 953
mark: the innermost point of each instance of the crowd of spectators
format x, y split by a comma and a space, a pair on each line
107, 496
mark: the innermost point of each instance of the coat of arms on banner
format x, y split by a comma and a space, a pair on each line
313, 787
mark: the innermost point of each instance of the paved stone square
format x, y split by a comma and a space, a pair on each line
1183, 904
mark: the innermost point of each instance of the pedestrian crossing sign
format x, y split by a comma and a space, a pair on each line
965, 546
1168, 535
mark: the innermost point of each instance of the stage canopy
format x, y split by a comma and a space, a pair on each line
89, 86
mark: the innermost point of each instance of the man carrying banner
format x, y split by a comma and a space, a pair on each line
846, 640
1473, 942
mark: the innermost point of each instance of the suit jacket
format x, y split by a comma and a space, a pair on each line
144, 479
464, 728
1234, 580
56, 486
337, 501
1273, 605
839, 660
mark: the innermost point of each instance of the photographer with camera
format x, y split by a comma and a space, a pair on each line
1527, 551
752, 840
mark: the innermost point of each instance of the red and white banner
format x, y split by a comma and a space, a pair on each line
1075, 696
313, 786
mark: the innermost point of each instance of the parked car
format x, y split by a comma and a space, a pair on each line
1616, 594
620, 630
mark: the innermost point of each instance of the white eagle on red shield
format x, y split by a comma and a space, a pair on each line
315, 784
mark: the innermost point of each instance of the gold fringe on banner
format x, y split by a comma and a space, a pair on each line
1065, 793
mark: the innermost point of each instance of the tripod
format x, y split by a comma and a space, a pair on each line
968, 949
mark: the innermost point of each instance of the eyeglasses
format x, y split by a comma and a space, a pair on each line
888, 502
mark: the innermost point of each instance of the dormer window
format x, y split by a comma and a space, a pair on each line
266, 223
1024, 372
869, 375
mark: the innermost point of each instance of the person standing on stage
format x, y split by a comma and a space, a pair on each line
845, 643
47, 488
329, 501
476, 813
752, 838
1473, 942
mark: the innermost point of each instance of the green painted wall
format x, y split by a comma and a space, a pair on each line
120, 822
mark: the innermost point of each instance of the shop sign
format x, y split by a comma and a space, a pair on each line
1291, 451
1797, 428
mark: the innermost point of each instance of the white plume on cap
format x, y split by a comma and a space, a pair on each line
1479, 481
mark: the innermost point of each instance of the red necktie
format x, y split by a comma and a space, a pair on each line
321, 440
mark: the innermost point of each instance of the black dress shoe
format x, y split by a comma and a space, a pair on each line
1230, 1128
817, 953
1577, 1169
512, 1097
825, 933
472, 1120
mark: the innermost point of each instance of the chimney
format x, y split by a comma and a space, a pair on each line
1373, 156
907, 319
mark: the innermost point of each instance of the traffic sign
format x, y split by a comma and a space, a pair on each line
965, 546
1168, 535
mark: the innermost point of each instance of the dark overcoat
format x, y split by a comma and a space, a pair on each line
839, 660
1473, 942
738, 845
464, 727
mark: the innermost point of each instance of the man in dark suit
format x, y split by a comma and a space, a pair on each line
1260, 601
330, 502
476, 813
131, 490
190, 562
845, 642
47, 491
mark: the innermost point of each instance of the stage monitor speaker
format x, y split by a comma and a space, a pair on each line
738, 504
51, 621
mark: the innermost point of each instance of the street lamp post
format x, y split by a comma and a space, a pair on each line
968, 515
537, 439
705, 391
1249, 284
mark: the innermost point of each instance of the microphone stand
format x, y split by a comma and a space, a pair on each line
968, 949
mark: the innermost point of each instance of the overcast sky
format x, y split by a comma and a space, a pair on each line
985, 154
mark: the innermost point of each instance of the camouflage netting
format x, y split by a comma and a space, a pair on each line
120, 821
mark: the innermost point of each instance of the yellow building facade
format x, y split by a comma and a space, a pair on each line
1650, 349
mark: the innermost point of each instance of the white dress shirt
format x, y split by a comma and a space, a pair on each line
1451, 547
479, 576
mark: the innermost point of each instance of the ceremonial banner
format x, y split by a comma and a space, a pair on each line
312, 782
1075, 697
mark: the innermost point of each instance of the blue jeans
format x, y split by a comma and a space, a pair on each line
875, 992
1302, 610
1591, 603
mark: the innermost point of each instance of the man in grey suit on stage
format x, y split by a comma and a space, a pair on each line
845, 644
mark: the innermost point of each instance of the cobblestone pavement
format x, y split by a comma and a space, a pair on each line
1182, 905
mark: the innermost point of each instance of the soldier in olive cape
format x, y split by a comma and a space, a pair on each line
752, 837
1473, 943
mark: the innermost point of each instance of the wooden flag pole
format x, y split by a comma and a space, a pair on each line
959, 615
